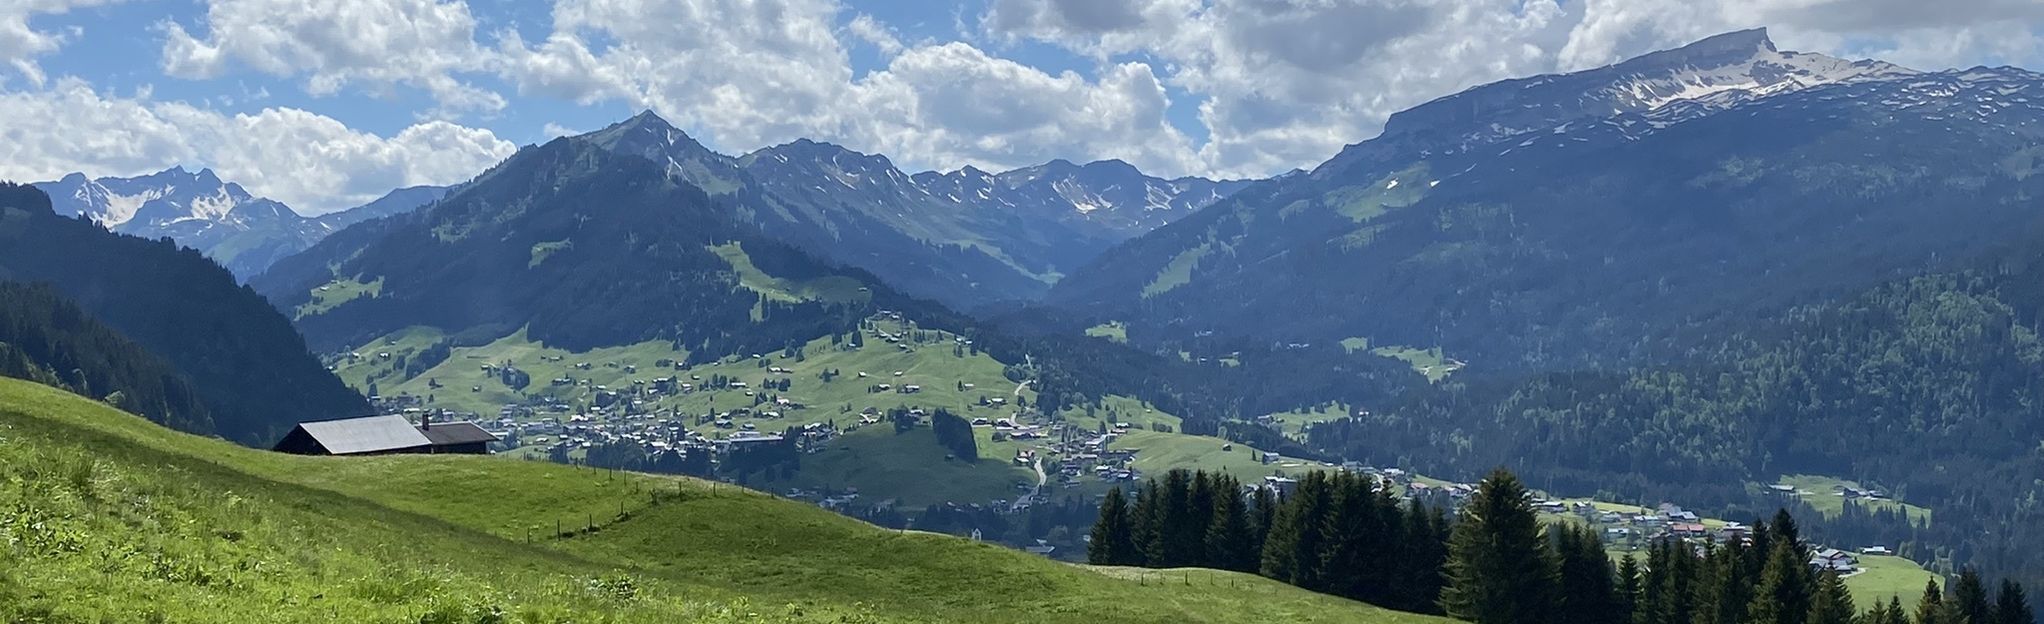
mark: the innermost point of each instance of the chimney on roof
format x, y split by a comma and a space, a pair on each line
425, 420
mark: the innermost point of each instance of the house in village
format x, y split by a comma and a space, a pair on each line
384, 435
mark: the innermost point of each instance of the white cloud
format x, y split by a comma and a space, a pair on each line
876, 34
311, 162
748, 73
21, 43
955, 104
371, 45
1285, 83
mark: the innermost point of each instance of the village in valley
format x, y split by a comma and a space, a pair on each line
849, 423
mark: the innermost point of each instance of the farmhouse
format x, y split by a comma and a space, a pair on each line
383, 435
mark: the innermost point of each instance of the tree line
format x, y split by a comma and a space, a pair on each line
1495, 561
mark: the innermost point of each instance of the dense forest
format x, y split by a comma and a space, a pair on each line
46, 339
245, 362
1493, 561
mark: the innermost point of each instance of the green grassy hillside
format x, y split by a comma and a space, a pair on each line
105, 517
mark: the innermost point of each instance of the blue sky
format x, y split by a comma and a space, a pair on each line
326, 104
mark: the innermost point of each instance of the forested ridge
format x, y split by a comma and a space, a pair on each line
46, 339
247, 365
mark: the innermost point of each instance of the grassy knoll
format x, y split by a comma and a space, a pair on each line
1428, 362
1823, 494
1294, 423
1114, 331
109, 518
337, 292
909, 468
1178, 272
1882, 578
1164, 451
461, 374
833, 288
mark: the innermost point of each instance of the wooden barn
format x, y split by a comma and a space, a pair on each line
384, 435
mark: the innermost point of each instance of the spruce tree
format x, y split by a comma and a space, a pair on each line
1782, 596
1144, 521
1292, 551
1499, 568
1263, 506
1833, 603
1723, 589
1181, 533
1230, 544
1894, 613
1588, 594
1930, 609
1422, 553
1650, 604
2011, 606
1113, 540
1347, 526
1628, 587
1969, 598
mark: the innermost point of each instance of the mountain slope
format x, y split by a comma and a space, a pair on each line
446, 539
581, 246
249, 366
396, 202
46, 339
1597, 237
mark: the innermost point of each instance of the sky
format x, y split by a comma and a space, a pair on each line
327, 104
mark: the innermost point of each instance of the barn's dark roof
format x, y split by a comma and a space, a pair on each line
445, 434
372, 434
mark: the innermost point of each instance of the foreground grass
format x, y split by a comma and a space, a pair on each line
105, 517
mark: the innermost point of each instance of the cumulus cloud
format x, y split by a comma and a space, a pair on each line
309, 161
21, 42
1285, 83
363, 44
748, 73
953, 103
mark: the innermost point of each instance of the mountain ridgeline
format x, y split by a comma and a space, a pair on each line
242, 232
968, 239
1568, 239
242, 360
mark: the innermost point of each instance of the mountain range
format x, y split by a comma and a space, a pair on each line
1593, 218
242, 232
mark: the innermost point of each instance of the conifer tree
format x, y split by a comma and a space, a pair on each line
1588, 594
1144, 518
1628, 587
1782, 596
1832, 603
2011, 606
1291, 553
1969, 598
1230, 541
1894, 613
1113, 536
1723, 587
1930, 609
1422, 553
1649, 603
1181, 533
1263, 506
1499, 568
